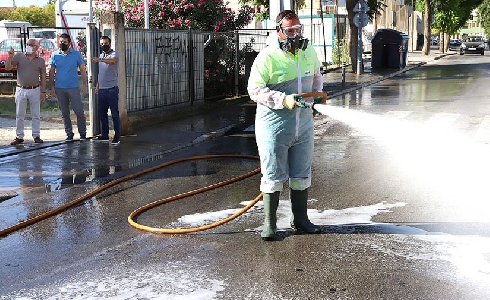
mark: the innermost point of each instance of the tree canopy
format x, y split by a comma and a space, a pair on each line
484, 15
451, 15
37, 16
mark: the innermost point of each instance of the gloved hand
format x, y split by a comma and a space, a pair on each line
289, 101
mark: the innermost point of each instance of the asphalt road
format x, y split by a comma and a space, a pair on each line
398, 187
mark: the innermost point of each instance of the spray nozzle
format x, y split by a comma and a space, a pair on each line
302, 103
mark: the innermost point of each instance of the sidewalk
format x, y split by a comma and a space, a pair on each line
223, 115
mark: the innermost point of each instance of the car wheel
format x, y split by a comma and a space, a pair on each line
461, 53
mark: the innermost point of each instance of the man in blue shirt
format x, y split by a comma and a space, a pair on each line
108, 91
63, 80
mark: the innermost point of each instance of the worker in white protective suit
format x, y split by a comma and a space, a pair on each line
284, 133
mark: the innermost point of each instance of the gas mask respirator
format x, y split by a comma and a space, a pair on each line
294, 43
294, 37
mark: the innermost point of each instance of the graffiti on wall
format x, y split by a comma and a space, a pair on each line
169, 46
162, 50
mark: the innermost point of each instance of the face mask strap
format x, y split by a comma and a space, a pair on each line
278, 25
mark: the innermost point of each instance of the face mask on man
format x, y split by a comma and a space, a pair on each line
64, 47
294, 43
29, 50
105, 48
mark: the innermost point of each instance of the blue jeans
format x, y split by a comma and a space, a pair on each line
109, 98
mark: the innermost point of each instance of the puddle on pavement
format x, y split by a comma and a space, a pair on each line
69, 179
53, 182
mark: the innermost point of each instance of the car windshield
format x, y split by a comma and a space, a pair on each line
473, 39
6, 44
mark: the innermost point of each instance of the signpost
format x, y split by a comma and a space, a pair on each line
360, 20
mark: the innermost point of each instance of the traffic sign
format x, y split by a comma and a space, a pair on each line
363, 7
360, 19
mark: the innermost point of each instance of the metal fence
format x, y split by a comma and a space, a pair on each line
171, 67
158, 68
167, 67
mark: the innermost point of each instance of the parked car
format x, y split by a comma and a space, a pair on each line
472, 44
454, 44
46, 48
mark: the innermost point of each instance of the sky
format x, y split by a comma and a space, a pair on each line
9, 3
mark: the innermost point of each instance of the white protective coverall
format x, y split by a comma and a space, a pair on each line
284, 137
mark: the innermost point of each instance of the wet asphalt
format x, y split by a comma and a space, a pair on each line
265, 274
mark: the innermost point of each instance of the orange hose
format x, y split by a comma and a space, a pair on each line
88, 195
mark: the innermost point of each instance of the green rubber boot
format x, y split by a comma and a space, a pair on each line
271, 201
299, 218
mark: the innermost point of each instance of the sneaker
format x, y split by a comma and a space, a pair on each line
83, 137
38, 140
69, 139
102, 139
16, 141
115, 141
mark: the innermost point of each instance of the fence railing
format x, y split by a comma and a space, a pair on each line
169, 67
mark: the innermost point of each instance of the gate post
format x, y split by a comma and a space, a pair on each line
120, 46
92, 76
237, 67
190, 64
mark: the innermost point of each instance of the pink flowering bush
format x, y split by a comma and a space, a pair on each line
81, 43
204, 15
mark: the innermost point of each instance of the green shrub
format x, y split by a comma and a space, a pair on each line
342, 56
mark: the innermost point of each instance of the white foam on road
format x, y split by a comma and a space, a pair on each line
191, 280
173, 281
351, 215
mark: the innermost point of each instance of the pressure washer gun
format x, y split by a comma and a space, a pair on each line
318, 98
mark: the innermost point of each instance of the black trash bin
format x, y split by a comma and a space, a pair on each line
389, 49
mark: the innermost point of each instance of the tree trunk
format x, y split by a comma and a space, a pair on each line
442, 42
447, 40
350, 4
427, 21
